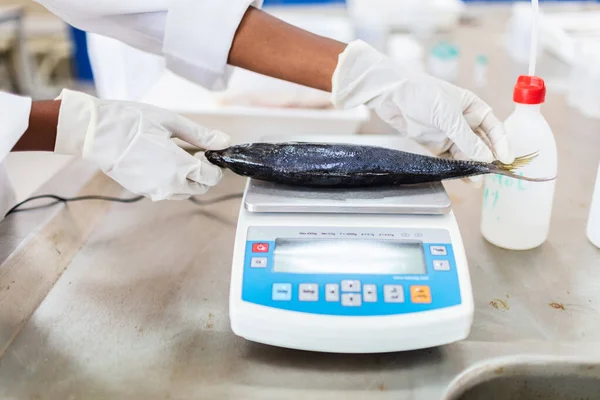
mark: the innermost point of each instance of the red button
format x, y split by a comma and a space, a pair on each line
260, 247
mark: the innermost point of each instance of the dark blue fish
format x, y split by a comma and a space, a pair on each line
334, 165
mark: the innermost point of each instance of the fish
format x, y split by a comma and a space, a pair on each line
338, 165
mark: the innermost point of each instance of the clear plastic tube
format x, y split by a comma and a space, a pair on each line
535, 9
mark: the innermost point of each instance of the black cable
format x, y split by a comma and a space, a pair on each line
59, 199
216, 200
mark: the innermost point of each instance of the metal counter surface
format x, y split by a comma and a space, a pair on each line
120, 301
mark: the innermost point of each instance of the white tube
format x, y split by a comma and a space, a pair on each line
535, 9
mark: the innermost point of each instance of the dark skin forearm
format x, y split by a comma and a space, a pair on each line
269, 46
43, 122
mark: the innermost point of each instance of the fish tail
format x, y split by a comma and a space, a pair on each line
510, 169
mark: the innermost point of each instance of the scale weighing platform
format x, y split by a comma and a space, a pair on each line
349, 271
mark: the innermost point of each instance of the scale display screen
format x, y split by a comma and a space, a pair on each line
346, 256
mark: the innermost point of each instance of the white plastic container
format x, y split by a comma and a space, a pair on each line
516, 214
410, 14
443, 62
406, 52
372, 30
480, 71
593, 224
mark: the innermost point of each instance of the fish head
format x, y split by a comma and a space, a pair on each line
215, 157
239, 153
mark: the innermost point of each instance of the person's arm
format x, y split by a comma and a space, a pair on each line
193, 36
269, 46
41, 132
199, 37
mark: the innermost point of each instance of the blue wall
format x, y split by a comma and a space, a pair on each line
81, 61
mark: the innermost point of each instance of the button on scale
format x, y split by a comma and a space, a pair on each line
282, 292
351, 300
308, 292
369, 293
393, 293
441, 265
258, 262
420, 294
260, 247
438, 250
350, 286
332, 292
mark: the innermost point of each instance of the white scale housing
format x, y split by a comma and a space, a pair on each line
349, 271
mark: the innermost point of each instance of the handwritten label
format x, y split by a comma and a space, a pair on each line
501, 183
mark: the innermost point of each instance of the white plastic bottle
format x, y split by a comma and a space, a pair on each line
480, 71
593, 224
443, 62
516, 214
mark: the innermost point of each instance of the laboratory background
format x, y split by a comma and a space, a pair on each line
162, 300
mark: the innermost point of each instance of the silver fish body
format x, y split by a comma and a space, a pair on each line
342, 165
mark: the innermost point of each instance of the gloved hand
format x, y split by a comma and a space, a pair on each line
438, 115
132, 143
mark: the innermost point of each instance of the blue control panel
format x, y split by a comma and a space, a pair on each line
433, 285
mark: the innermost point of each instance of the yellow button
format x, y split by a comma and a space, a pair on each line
420, 294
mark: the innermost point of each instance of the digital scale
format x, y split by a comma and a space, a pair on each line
349, 271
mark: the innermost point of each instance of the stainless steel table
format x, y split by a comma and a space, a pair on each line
123, 301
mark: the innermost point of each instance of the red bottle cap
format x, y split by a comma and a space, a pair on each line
529, 90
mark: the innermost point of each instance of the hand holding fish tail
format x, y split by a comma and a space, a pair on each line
438, 115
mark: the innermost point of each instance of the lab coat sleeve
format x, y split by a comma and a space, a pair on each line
194, 36
14, 112
198, 50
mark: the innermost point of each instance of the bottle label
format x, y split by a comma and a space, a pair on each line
510, 203
495, 184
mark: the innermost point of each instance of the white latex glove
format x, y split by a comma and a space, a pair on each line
132, 143
438, 115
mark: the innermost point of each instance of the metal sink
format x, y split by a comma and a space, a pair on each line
527, 378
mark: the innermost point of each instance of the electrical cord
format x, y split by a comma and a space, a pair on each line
59, 199
216, 200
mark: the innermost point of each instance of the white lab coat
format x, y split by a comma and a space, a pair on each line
117, 66
14, 117
193, 36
